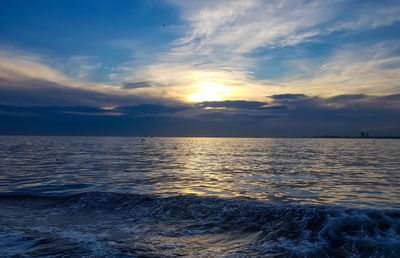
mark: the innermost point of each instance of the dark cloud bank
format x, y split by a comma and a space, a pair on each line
141, 84
291, 115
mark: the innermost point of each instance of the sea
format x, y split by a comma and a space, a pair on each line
199, 197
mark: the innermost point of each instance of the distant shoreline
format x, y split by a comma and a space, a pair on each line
258, 137
353, 137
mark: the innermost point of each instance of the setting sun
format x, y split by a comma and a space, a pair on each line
209, 91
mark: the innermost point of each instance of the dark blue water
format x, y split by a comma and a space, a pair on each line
113, 196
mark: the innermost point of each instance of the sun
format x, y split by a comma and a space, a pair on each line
209, 91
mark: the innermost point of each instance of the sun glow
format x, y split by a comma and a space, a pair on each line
209, 91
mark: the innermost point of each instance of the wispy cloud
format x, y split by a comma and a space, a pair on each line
81, 67
19, 66
355, 68
219, 42
243, 26
367, 15
220, 38
26, 79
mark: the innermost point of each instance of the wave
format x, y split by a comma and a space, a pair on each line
102, 224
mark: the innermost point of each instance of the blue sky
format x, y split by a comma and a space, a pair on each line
113, 54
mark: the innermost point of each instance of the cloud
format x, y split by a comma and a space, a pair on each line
368, 15
44, 93
364, 101
288, 96
286, 115
141, 84
352, 69
222, 42
19, 66
81, 67
237, 104
242, 26
300, 108
226, 43
153, 109
361, 103
54, 110
27, 79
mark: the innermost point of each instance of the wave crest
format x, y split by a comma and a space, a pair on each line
241, 226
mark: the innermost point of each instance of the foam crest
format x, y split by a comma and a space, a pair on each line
182, 225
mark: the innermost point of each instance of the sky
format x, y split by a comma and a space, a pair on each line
200, 68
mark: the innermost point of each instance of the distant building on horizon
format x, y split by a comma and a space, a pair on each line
364, 134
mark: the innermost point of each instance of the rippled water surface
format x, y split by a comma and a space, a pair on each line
355, 172
207, 197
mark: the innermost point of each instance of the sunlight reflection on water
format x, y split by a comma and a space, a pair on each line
355, 172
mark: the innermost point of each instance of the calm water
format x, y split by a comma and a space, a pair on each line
118, 196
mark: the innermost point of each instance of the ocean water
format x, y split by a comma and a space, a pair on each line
206, 197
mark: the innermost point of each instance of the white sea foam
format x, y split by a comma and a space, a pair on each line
109, 224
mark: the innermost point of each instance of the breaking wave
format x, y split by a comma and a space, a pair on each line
104, 224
